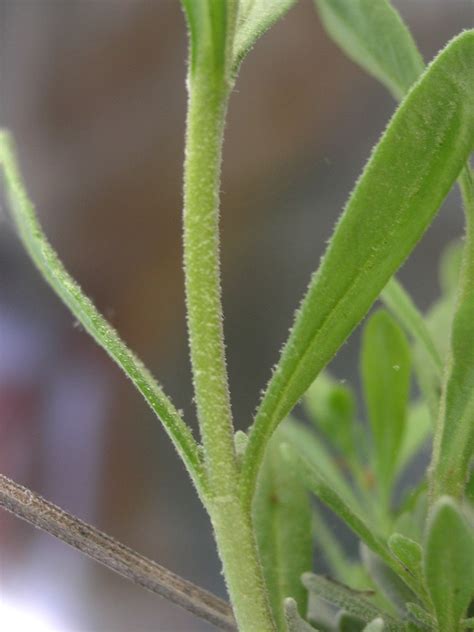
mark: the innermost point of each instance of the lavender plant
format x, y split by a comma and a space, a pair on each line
416, 565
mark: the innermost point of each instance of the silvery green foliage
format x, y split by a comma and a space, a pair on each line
416, 569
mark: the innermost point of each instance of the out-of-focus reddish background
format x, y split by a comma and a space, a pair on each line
94, 94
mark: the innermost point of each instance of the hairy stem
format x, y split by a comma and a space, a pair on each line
206, 112
232, 524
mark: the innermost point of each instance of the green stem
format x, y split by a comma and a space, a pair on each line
466, 184
206, 112
453, 444
232, 524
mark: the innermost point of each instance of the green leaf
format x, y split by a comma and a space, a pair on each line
421, 617
385, 369
293, 619
328, 545
389, 583
255, 17
316, 482
399, 302
409, 174
240, 443
468, 624
408, 552
377, 625
331, 407
449, 563
308, 444
283, 521
50, 266
352, 601
357, 25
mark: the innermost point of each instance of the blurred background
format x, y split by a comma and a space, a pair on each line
94, 94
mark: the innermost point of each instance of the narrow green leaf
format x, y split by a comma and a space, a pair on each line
408, 552
317, 483
293, 619
282, 520
352, 601
255, 17
320, 613
331, 407
389, 583
385, 369
449, 563
410, 172
377, 625
399, 302
421, 617
309, 445
50, 266
357, 25
328, 545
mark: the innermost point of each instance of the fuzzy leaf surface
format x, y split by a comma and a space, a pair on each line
308, 444
423, 619
396, 591
282, 520
352, 601
254, 18
449, 563
408, 552
409, 174
377, 625
385, 370
332, 408
294, 621
316, 482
